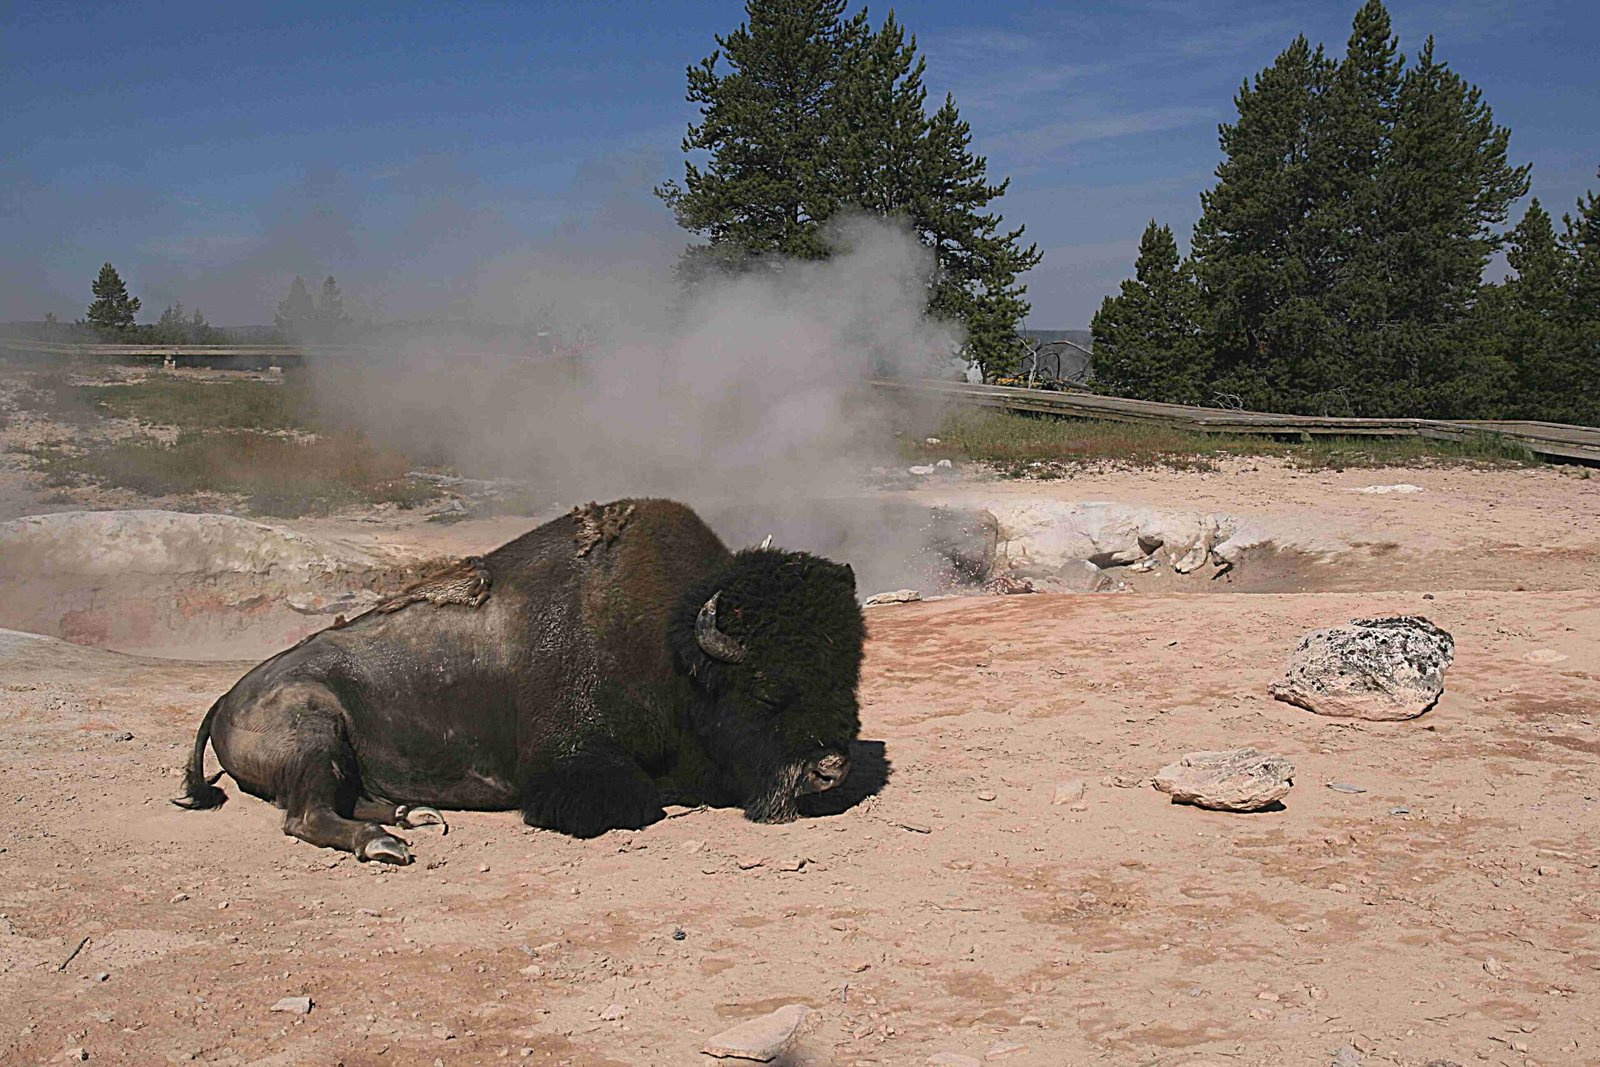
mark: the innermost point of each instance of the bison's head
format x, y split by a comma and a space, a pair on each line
773, 645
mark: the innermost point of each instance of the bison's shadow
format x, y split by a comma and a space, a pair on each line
869, 772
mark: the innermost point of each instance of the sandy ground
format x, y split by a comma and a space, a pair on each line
1448, 912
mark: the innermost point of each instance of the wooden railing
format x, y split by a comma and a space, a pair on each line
1548, 439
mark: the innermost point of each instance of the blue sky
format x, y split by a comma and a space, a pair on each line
421, 153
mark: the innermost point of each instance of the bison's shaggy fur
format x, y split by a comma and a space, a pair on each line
591, 687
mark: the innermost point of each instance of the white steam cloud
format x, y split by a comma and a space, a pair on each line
747, 390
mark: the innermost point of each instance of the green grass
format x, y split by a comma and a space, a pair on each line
202, 405
280, 476
1048, 446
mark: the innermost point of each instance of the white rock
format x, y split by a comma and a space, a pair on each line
897, 596
921, 470
1071, 793
1384, 490
294, 1005
762, 1039
1243, 779
613, 1012
1378, 669
944, 464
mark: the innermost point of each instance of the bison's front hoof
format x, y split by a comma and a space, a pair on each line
411, 818
385, 848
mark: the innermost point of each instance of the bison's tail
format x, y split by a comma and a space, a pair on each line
200, 792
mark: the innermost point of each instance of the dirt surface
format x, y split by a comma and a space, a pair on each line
942, 903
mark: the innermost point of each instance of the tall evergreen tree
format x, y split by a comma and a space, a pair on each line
818, 115
112, 310
172, 328
1147, 341
767, 124
296, 316
331, 318
1342, 248
1445, 186
1581, 243
1264, 269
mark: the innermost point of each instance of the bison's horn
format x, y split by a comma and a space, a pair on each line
713, 641
766, 542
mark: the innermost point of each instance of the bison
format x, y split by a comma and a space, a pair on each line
605, 664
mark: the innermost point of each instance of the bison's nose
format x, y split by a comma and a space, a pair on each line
828, 772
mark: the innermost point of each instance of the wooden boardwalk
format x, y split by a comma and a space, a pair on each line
1548, 439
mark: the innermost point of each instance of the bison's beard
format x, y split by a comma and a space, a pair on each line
775, 801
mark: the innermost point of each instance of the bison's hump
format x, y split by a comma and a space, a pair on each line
599, 525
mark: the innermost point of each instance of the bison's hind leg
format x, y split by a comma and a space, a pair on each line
595, 788
292, 741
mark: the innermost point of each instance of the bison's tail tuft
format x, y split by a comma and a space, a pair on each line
199, 792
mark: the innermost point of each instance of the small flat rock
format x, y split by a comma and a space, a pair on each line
1070, 793
1241, 779
762, 1039
74, 1055
1346, 787
1544, 656
921, 470
1345, 1056
1380, 669
952, 1059
986, 795
894, 596
613, 1012
1001, 1051
294, 1005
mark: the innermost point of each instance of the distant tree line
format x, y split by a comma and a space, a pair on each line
111, 317
1337, 267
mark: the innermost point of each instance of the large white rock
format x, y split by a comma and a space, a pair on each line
1380, 669
762, 1039
1242, 779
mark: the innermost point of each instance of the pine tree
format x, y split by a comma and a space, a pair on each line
766, 123
1581, 243
1445, 186
200, 331
1342, 248
296, 317
113, 309
331, 318
1264, 270
820, 115
1147, 341
171, 328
